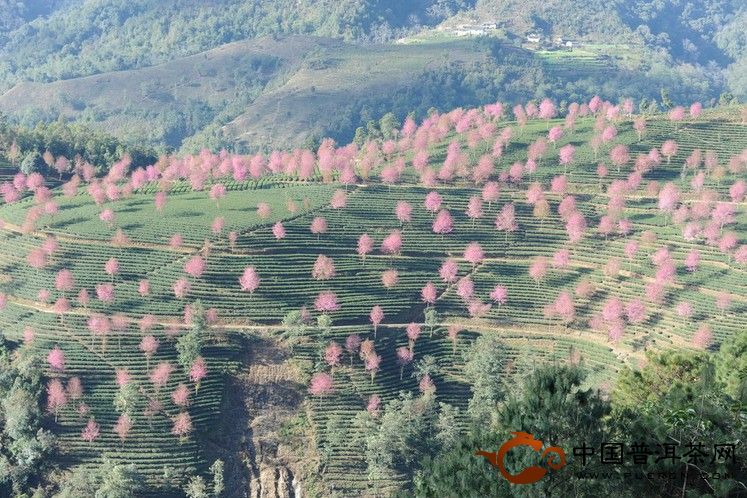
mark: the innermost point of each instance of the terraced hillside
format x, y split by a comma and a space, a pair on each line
586, 247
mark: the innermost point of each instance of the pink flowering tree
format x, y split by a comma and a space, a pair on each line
506, 220
453, 333
182, 425
392, 243
352, 344
56, 359
474, 254
332, 355
278, 231
403, 211
413, 331
404, 358
499, 295
198, 371
326, 301
433, 202
161, 374
180, 396
321, 384
318, 226
195, 266
64, 281
249, 280
376, 316
372, 363
429, 293
56, 397
149, 346
565, 308
443, 223
365, 246
449, 270
389, 278
669, 149
538, 269
123, 426
91, 431
703, 337
323, 269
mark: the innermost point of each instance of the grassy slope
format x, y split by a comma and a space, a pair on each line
285, 267
288, 114
287, 99
120, 102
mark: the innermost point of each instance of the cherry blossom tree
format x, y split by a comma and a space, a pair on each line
491, 192
56, 359
123, 426
429, 293
372, 363
324, 268
352, 344
249, 280
198, 371
332, 355
326, 301
499, 295
433, 202
149, 346
575, 227
182, 425
565, 307
443, 223
217, 192
318, 226
376, 316
181, 288
176, 241
278, 230
474, 209
389, 278
677, 114
538, 269
723, 302
365, 246
465, 289
195, 266
669, 198
619, 156
639, 125
392, 243
180, 395
635, 310
566, 155
474, 254
91, 431
160, 375
404, 358
448, 271
506, 220
56, 397
703, 337
696, 109
413, 331
143, 288
403, 211
321, 384
64, 281
669, 149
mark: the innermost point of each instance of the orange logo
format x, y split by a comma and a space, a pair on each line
554, 456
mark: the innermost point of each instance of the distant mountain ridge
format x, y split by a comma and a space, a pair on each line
69, 59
